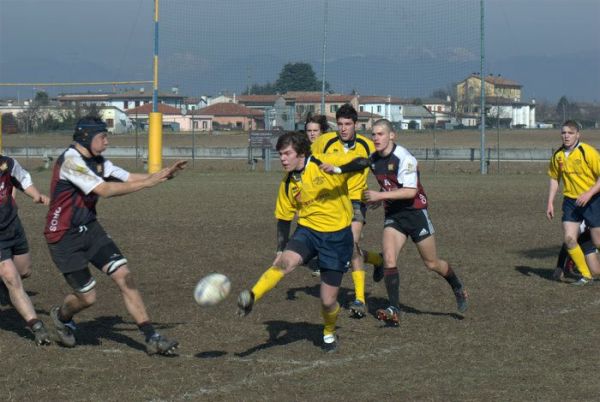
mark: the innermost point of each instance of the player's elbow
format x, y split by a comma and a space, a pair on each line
103, 190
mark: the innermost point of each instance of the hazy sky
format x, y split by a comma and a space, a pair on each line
552, 47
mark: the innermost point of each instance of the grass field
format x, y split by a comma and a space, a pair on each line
523, 338
545, 139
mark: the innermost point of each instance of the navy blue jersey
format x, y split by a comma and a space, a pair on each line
73, 202
397, 170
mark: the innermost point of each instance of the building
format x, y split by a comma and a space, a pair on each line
233, 116
503, 97
388, 107
123, 100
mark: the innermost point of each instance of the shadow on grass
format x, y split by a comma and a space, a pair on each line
543, 273
13, 322
376, 303
542, 252
109, 328
282, 333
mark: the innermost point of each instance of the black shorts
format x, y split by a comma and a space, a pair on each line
13, 241
359, 210
83, 245
411, 222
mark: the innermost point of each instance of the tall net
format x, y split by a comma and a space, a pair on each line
407, 48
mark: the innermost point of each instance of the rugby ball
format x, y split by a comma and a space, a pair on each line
212, 289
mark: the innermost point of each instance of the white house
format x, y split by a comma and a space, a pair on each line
388, 107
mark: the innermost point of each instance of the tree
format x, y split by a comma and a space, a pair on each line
562, 107
297, 77
41, 99
293, 77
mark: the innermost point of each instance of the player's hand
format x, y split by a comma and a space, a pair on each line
583, 199
550, 212
42, 199
328, 168
176, 167
370, 196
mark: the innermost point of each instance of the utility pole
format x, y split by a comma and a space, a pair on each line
482, 161
323, 59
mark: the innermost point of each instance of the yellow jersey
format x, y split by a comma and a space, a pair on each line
579, 169
331, 144
320, 199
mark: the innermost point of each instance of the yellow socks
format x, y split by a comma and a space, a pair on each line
578, 258
267, 281
329, 320
358, 277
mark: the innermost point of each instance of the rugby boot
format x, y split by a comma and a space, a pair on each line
583, 281
160, 345
558, 274
330, 344
42, 337
316, 273
64, 330
245, 302
358, 309
462, 299
390, 315
378, 271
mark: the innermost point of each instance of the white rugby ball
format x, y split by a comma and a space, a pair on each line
212, 289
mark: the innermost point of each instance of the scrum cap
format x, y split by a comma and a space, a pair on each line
86, 129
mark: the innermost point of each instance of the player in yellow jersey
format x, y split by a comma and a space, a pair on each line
577, 165
316, 187
346, 141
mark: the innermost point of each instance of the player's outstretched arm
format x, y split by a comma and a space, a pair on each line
355, 165
113, 189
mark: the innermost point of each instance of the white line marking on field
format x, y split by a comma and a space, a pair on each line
301, 366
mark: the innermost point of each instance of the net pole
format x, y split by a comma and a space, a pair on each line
155, 118
482, 164
323, 59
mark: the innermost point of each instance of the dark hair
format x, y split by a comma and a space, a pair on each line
297, 139
573, 124
347, 111
319, 119
86, 128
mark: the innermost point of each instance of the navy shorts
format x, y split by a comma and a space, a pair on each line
590, 213
13, 241
411, 222
334, 249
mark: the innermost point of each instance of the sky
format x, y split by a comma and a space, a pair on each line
398, 47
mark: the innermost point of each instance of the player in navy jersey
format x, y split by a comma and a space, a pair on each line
15, 260
406, 215
75, 238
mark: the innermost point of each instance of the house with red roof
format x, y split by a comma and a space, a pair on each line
232, 116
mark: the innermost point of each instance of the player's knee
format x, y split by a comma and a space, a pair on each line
432, 265
87, 299
116, 265
570, 241
26, 273
328, 304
